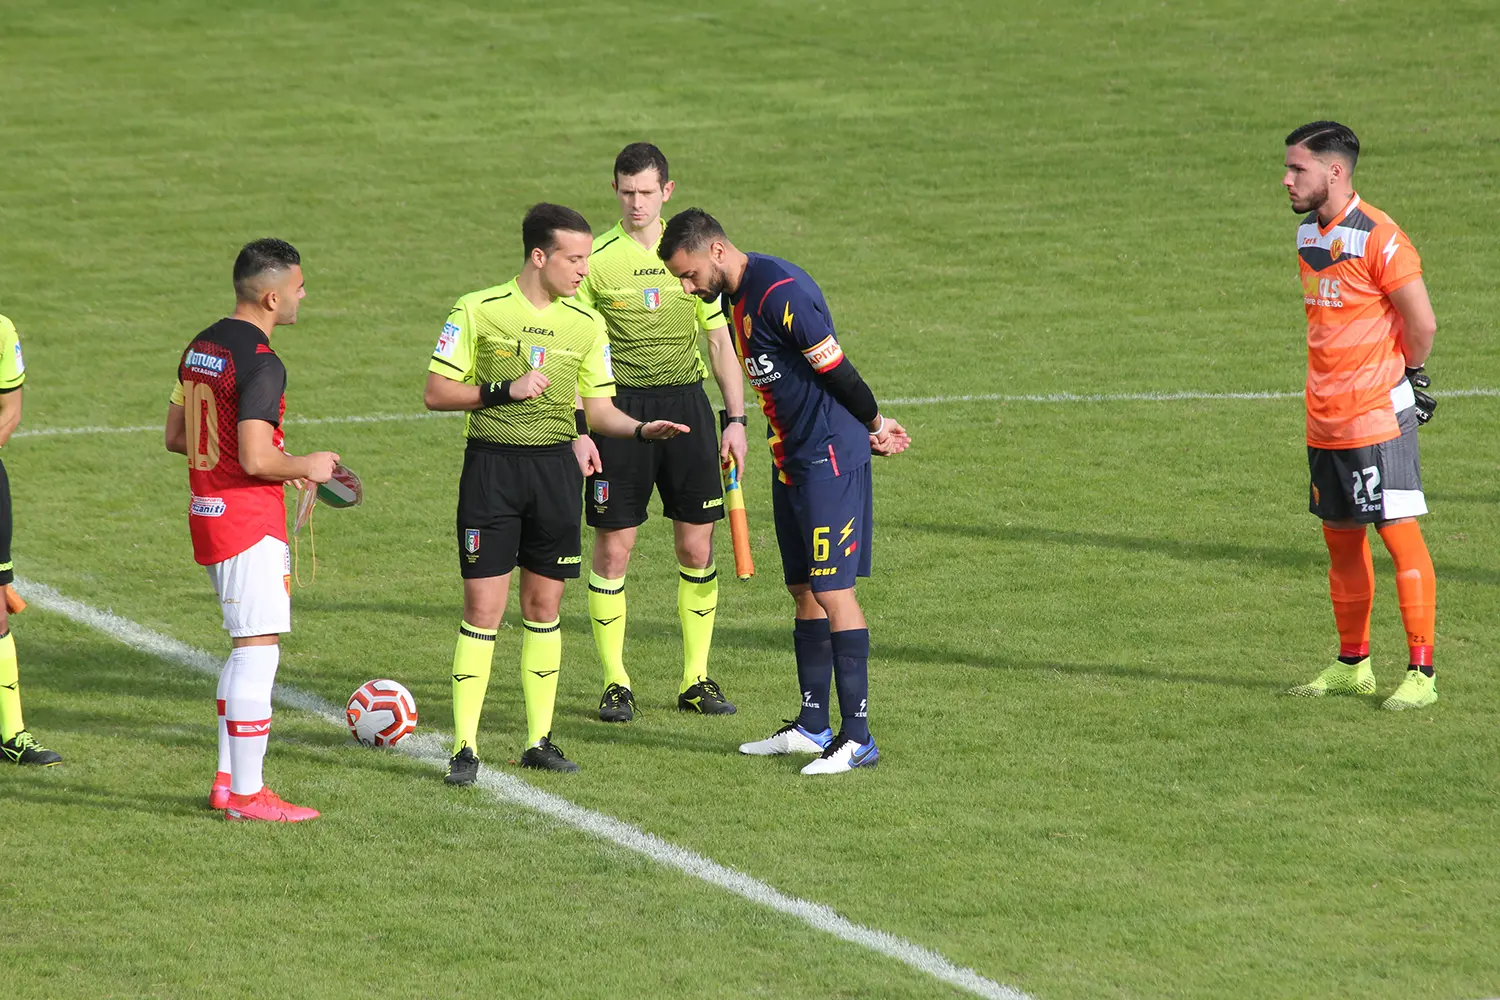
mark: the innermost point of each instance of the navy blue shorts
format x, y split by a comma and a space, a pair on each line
825, 529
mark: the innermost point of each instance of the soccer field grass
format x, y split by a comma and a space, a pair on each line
1082, 611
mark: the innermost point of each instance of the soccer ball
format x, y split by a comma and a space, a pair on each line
381, 713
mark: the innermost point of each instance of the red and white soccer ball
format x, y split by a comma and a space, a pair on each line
381, 713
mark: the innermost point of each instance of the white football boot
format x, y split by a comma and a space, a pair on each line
843, 754
790, 738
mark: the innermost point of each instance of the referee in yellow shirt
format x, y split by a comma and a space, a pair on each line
520, 358
16, 744
653, 337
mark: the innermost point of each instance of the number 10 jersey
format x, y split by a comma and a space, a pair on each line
228, 374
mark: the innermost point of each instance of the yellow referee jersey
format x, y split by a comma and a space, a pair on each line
497, 335
12, 364
653, 324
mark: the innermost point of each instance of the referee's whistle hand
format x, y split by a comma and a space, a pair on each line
661, 430
530, 385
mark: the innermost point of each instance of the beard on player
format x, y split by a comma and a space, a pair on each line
718, 280
1311, 202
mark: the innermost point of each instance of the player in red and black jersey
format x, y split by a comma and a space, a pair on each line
823, 424
225, 416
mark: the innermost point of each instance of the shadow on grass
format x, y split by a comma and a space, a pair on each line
763, 637
712, 739
75, 795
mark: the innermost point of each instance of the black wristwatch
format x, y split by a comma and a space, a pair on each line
736, 420
638, 428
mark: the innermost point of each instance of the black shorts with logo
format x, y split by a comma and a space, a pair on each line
519, 506
7, 568
685, 469
1377, 482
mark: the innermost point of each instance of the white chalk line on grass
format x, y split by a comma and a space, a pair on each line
993, 397
431, 749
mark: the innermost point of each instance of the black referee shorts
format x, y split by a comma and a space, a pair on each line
519, 506
685, 469
7, 568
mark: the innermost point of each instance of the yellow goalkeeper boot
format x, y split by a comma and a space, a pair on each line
1341, 678
1418, 691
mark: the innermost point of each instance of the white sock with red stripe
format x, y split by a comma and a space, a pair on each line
252, 671
220, 695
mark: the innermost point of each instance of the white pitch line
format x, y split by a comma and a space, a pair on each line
988, 397
431, 749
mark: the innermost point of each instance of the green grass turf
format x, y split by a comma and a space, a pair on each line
1081, 613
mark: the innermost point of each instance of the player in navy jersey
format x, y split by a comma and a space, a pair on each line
822, 424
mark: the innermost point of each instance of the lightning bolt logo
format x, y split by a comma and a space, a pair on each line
846, 532
786, 316
1390, 250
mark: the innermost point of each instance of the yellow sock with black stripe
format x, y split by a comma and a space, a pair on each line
697, 599
541, 659
471, 676
607, 612
10, 689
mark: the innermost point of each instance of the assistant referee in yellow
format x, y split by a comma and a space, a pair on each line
654, 328
523, 359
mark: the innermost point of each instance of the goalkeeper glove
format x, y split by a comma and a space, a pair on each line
1425, 403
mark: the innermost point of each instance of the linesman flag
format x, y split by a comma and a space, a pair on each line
734, 504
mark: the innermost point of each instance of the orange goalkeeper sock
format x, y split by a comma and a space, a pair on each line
1351, 585
1416, 588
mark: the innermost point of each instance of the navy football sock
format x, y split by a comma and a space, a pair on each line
814, 653
851, 672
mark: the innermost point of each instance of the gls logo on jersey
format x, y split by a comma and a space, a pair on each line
1322, 292
761, 371
447, 340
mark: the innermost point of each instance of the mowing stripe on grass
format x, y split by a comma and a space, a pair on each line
1131, 397
372, 418
1046, 397
432, 749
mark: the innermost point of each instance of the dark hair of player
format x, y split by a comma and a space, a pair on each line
639, 156
1327, 137
689, 230
540, 227
260, 257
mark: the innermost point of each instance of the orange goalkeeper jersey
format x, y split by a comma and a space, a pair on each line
1354, 356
